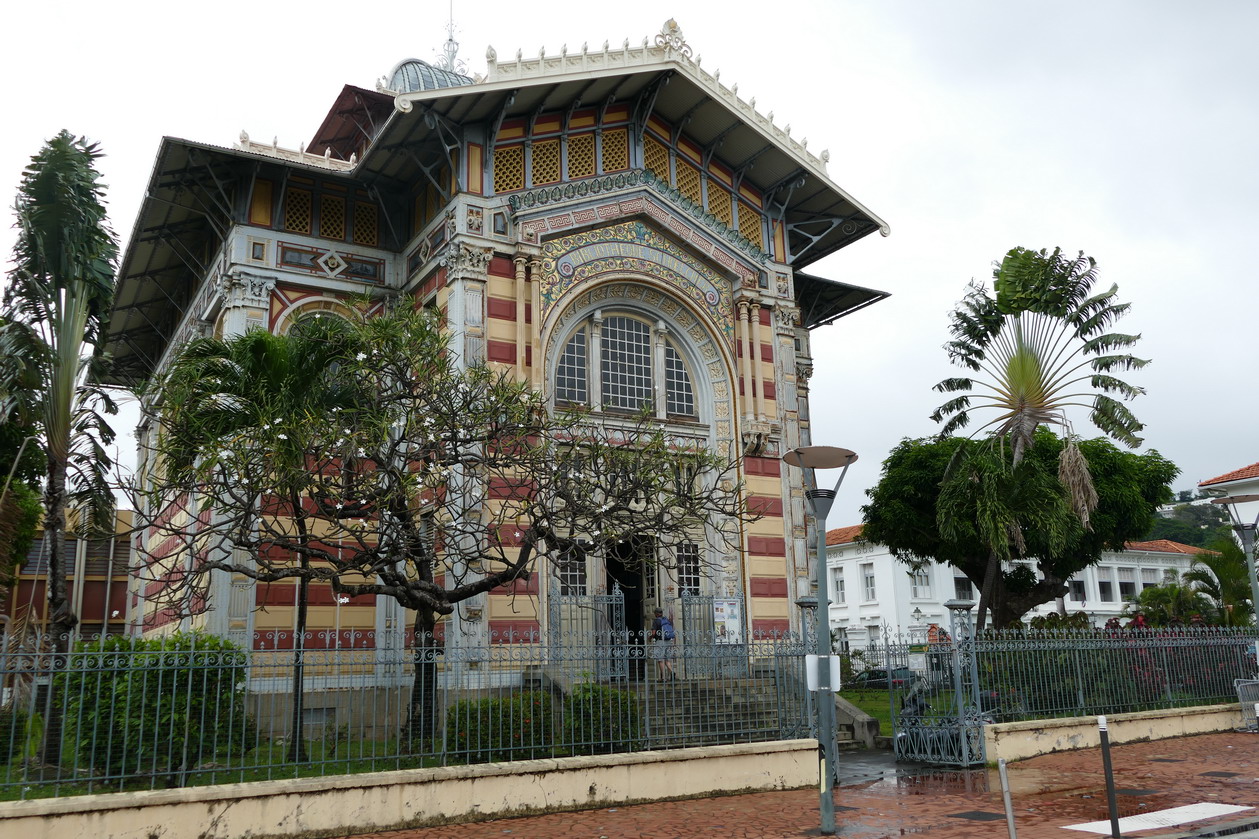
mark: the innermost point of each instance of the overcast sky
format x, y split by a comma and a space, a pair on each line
1123, 129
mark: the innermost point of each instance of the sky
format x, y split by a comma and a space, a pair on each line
1121, 128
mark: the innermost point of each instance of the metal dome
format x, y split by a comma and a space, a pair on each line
413, 75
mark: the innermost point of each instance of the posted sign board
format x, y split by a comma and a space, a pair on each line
728, 621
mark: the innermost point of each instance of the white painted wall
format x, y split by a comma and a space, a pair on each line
896, 597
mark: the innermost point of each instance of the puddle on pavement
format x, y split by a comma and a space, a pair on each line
1032, 788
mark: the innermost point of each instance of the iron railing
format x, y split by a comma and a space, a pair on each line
122, 714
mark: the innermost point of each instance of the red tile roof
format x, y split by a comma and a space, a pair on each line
1251, 471
843, 535
1165, 546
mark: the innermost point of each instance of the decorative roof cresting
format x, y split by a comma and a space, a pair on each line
671, 38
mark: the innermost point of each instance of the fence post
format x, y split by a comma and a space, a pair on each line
965, 674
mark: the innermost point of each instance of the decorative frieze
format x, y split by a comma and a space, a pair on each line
523, 202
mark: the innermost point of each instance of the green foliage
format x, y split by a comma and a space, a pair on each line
155, 705
515, 727
1172, 603
20, 512
55, 308
1054, 621
1198, 525
12, 731
922, 509
601, 720
1221, 575
1040, 347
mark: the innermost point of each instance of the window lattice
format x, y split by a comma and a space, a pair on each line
656, 158
581, 156
297, 210
572, 571
689, 183
570, 373
509, 168
626, 362
366, 230
679, 397
719, 204
615, 150
546, 162
332, 217
688, 568
750, 225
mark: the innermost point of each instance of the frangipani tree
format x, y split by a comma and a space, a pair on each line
1040, 346
423, 481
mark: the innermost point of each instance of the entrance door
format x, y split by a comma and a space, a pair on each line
627, 562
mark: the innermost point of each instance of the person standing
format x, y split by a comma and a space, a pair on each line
662, 638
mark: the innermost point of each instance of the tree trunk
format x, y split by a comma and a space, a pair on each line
61, 618
991, 572
297, 744
421, 729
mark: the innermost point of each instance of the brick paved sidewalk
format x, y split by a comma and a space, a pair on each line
1049, 792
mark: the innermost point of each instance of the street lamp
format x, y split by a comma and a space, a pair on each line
1247, 534
810, 458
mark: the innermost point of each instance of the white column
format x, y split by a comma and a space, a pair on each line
658, 333
595, 373
746, 366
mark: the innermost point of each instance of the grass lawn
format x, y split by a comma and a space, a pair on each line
875, 703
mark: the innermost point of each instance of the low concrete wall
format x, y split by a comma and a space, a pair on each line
1019, 740
345, 804
865, 728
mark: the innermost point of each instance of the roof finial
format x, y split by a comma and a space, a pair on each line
449, 59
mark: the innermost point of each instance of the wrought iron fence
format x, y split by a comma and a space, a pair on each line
1040, 674
123, 714
945, 685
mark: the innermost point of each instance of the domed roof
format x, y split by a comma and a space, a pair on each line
413, 75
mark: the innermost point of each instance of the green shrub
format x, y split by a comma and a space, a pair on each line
514, 727
599, 720
12, 733
139, 706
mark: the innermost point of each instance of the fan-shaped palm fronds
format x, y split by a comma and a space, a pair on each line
1041, 347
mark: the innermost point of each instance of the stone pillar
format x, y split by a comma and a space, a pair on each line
522, 297
466, 278
745, 367
754, 315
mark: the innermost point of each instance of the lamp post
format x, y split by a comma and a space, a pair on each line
810, 458
1247, 534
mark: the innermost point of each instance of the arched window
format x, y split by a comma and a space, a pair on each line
635, 365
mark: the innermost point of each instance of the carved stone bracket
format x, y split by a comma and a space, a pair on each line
242, 289
803, 373
467, 261
787, 315
759, 441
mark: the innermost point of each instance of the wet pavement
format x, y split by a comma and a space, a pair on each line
879, 798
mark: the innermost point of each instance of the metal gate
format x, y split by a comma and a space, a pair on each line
933, 688
710, 648
592, 627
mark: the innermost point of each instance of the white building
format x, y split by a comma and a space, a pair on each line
1243, 481
871, 589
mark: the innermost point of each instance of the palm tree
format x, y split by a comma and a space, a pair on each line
278, 389
1040, 346
55, 308
1220, 575
1174, 602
